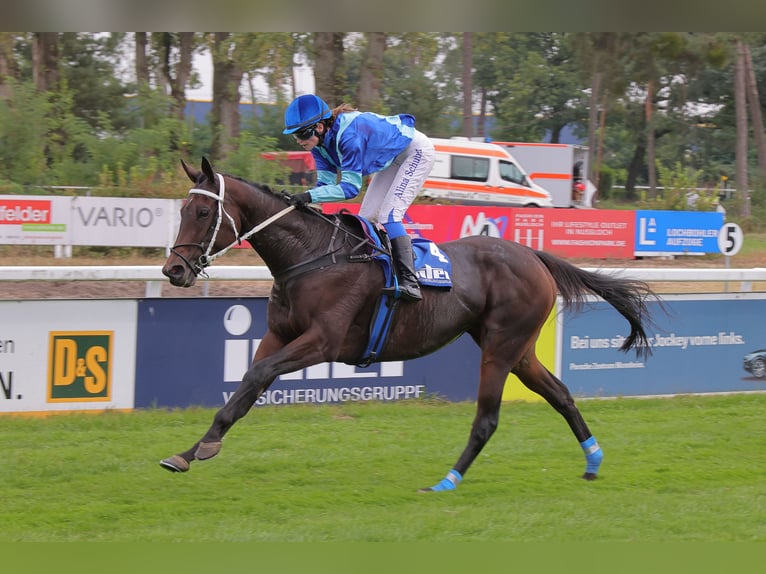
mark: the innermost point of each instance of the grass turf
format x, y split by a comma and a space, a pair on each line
682, 469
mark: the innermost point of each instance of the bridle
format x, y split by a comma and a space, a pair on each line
206, 258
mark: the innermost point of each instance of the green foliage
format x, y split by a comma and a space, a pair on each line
407, 89
246, 161
98, 128
24, 136
681, 191
605, 182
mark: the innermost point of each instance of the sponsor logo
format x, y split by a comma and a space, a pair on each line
647, 227
483, 225
80, 366
25, 211
117, 217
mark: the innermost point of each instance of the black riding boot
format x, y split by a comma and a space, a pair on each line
404, 264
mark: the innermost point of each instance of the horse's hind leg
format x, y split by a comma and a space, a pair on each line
540, 380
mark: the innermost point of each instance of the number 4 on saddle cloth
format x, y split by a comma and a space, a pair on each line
432, 267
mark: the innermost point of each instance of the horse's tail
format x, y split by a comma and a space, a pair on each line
628, 296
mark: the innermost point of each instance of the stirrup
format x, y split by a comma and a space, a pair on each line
404, 294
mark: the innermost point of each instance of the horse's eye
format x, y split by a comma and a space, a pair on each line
203, 213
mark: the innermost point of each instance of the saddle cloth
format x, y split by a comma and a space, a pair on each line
432, 265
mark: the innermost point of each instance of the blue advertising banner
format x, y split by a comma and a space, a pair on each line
669, 232
699, 346
193, 352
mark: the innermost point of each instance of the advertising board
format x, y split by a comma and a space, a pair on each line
195, 352
677, 232
123, 222
67, 355
598, 233
564, 232
698, 346
34, 220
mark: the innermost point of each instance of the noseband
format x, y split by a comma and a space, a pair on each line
207, 258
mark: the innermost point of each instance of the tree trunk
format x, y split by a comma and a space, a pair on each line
177, 76
740, 99
468, 84
142, 64
595, 92
227, 77
481, 125
8, 68
756, 117
634, 169
328, 67
651, 165
45, 57
596, 169
371, 72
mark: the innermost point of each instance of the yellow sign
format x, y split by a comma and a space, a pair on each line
80, 366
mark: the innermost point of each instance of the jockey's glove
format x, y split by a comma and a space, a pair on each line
298, 199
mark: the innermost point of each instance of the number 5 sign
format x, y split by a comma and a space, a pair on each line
730, 239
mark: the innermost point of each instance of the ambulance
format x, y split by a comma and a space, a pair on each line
477, 173
560, 168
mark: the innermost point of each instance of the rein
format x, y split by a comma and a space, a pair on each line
328, 258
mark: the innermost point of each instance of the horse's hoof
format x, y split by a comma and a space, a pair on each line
590, 476
207, 450
175, 464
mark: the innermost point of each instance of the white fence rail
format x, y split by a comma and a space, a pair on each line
152, 274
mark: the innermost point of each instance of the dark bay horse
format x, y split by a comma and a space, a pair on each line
320, 306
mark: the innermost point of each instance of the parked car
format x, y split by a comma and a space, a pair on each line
755, 363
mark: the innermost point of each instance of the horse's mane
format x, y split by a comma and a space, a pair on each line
348, 220
260, 186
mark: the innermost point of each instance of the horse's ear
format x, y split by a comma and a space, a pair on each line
207, 169
192, 173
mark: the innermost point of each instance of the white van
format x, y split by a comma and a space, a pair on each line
478, 173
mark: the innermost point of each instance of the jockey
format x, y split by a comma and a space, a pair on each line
355, 144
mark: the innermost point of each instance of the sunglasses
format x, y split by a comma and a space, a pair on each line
304, 133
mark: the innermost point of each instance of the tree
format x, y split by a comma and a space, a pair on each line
740, 96
537, 86
598, 55
142, 61
413, 85
754, 103
45, 61
175, 51
368, 89
329, 69
467, 84
8, 67
227, 77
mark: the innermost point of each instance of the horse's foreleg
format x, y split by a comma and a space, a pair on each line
493, 375
236, 407
540, 380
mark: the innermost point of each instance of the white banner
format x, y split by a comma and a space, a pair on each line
67, 355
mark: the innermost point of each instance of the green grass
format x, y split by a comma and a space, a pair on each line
754, 244
684, 469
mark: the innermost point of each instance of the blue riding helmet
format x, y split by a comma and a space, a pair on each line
305, 111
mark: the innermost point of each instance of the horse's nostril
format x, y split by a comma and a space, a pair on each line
172, 272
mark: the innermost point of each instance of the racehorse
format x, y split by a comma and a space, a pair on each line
321, 305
